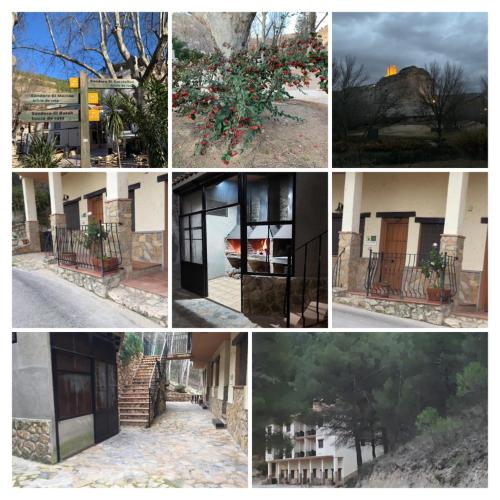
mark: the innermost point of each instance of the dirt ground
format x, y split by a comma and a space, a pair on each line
282, 143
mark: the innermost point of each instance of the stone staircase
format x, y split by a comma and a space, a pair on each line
133, 403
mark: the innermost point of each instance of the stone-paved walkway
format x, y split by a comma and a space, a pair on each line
29, 261
190, 310
181, 449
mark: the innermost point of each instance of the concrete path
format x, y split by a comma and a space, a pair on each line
40, 299
353, 317
191, 311
181, 449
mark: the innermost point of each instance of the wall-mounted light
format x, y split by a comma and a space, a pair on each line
340, 208
65, 197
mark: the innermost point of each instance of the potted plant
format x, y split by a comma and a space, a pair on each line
92, 239
433, 269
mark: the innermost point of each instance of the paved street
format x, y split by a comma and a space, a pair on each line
40, 299
181, 449
353, 317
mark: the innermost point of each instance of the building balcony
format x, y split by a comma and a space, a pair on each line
299, 434
311, 453
299, 454
311, 433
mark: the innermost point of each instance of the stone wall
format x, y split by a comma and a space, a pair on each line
237, 418
147, 246
178, 396
215, 406
100, 285
470, 282
434, 314
31, 439
265, 295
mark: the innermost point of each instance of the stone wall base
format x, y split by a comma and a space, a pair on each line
100, 285
430, 313
31, 439
183, 397
237, 418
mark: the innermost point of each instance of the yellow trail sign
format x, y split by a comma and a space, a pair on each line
74, 82
94, 115
93, 98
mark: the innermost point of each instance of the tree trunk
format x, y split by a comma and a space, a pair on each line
264, 18
311, 23
374, 452
230, 30
385, 441
359, 456
118, 152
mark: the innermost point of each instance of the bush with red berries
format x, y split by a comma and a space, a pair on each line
227, 97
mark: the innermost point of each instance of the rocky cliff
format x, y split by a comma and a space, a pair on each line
458, 459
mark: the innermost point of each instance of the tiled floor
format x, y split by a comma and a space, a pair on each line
225, 291
181, 449
153, 283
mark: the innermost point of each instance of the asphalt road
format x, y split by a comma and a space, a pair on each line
353, 317
42, 300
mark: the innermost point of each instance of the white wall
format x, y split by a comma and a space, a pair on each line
217, 229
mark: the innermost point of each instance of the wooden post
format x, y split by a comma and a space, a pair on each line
84, 122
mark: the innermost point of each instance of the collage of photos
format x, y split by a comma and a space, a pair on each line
249, 250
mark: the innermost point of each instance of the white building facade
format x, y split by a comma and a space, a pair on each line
316, 457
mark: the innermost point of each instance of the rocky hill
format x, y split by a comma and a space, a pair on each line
458, 459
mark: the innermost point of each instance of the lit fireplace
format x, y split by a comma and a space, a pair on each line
233, 252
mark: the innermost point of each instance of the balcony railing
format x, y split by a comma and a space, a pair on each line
311, 453
299, 454
93, 247
299, 434
400, 274
311, 432
179, 344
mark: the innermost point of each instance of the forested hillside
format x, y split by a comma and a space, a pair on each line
387, 388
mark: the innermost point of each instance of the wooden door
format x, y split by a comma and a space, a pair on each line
95, 207
394, 239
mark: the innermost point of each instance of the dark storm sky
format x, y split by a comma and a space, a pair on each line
413, 39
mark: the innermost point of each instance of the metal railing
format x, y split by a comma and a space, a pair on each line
400, 274
336, 270
156, 379
305, 250
91, 246
179, 343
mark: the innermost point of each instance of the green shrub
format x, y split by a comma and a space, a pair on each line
131, 347
440, 429
180, 388
227, 97
473, 143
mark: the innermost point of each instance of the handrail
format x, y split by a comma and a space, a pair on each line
291, 259
336, 269
155, 378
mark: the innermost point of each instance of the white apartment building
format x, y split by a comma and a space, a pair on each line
315, 459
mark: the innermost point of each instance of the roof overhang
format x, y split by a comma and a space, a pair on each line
204, 345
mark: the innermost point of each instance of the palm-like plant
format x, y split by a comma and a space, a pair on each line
114, 121
42, 153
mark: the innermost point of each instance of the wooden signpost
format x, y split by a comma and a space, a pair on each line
83, 115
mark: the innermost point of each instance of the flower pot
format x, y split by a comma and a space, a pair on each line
106, 264
69, 258
434, 295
